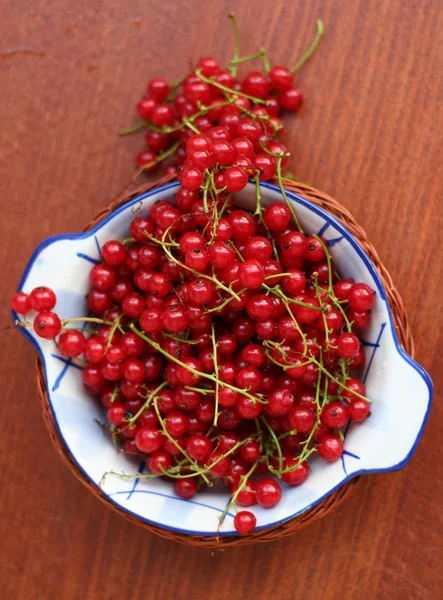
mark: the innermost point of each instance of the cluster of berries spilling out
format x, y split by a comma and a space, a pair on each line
225, 346
239, 119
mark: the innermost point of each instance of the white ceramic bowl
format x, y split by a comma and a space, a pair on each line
400, 389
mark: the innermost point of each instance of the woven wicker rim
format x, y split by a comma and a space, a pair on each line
328, 504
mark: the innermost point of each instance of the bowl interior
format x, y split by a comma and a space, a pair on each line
399, 388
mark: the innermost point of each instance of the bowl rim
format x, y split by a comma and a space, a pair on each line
331, 220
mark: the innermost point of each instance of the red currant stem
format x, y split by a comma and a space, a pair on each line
160, 157
312, 47
151, 396
114, 328
214, 356
276, 290
232, 67
219, 308
265, 118
246, 58
283, 436
274, 154
209, 376
277, 275
331, 293
191, 126
177, 83
266, 63
344, 366
128, 240
340, 383
320, 301
204, 391
232, 93
341, 435
182, 340
274, 438
237, 251
176, 444
215, 191
205, 192
282, 189
286, 366
242, 483
115, 393
133, 128
114, 438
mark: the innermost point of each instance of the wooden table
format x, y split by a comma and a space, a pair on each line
369, 134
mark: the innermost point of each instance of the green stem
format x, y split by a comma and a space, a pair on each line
160, 157
232, 67
230, 91
133, 128
214, 350
282, 189
312, 47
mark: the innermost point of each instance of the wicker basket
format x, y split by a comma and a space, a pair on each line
329, 503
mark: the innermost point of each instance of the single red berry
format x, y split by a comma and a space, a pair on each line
277, 217
133, 305
260, 307
361, 297
265, 164
201, 291
157, 141
291, 99
334, 415
116, 414
176, 423
251, 274
358, 410
235, 179
249, 408
71, 342
330, 447
159, 462
199, 447
140, 227
175, 319
42, 298
348, 345
162, 114
191, 178
268, 492
21, 303
208, 66
256, 84
250, 451
145, 107
246, 496
342, 288
258, 247
302, 419
186, 488
47, 325
281, 77
158, 89
280, 402
353, 385
314, 249
243, 225
221, 255
113, 252
146, 160
299, 470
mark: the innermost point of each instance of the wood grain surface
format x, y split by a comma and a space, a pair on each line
369, 134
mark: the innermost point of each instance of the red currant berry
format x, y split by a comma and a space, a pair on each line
256, 84
358, 410
281, 77
71, 342
330, 447
145, 107
348, 345
299, 470
186, 488
291, 99
42, 298
268, 492
302, 419
47, 325
21, 303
